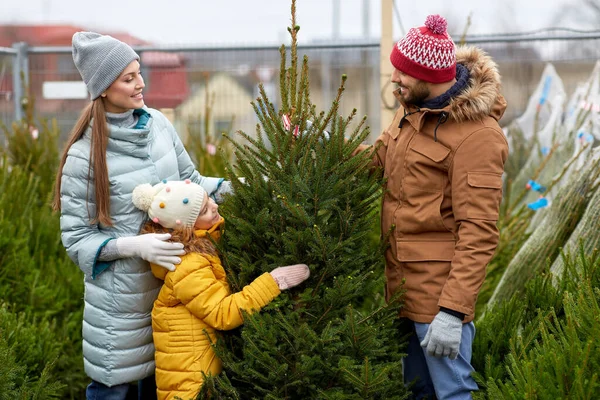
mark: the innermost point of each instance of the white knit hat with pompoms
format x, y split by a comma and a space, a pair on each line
172, 204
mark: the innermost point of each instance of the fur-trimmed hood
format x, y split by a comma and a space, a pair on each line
482, 96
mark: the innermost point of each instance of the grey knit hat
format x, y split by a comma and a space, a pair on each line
100, 59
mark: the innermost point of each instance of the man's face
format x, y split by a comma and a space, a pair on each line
412, 91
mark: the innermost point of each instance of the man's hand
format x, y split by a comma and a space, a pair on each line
443, 336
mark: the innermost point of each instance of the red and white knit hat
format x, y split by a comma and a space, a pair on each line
426, 53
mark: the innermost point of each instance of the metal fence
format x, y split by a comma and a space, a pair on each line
181, 79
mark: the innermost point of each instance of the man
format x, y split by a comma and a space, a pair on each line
443, 158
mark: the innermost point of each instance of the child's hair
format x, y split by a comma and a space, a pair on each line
191, 243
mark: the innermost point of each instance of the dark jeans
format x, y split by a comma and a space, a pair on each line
144, 390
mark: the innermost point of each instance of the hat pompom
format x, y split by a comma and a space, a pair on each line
436, 24
142, 196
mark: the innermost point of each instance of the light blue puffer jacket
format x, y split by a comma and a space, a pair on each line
117, 325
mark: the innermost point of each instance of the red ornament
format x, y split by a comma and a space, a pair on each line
287, 124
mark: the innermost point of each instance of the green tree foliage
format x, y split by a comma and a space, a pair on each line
29, 350
543, 344
306, 198
42, 290
32, 145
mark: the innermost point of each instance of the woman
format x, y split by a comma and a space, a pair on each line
116, 144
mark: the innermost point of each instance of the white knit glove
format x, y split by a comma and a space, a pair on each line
443, 336
290, 276
152, 247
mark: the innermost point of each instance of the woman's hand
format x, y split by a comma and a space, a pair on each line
152, 247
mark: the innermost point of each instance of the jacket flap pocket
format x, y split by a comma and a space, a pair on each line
433, 150
411, 250
394, 130
484, 180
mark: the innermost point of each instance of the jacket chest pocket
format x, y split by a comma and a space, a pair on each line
426, 164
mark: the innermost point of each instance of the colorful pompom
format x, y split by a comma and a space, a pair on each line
436, 24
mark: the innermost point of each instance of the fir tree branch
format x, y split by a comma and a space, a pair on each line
261, 112
294, 60
302, 94
336, 102
283, 82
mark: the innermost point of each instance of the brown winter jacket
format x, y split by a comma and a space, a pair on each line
444, 187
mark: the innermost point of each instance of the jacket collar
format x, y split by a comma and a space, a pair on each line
129, 141
213, 232
441, 101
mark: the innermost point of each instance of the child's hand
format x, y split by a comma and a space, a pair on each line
290, 276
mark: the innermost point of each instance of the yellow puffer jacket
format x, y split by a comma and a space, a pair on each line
195, 299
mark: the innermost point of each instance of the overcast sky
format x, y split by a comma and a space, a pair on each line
234, 22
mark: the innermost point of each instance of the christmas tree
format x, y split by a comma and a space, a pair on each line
307, 198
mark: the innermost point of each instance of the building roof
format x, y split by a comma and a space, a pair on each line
54, 35
61, 35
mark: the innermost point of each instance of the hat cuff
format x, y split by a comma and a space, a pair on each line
113, 64
195, 211
418, 71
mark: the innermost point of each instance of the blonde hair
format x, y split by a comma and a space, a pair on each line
95, 110
185, 235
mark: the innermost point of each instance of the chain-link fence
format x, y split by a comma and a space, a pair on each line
182, 80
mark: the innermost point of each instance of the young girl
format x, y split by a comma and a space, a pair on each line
195, 299
116, 144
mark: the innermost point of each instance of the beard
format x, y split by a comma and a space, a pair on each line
417, 94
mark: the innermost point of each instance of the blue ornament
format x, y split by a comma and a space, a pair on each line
531, 184
539, 203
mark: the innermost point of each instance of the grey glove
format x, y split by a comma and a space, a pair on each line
308, 126
443, 336
224, 189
